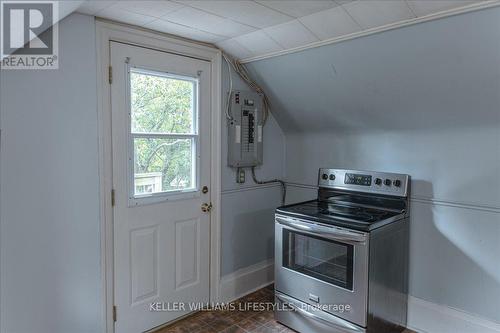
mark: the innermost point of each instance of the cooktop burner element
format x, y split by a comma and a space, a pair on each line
358, 202
356, 217
357, 214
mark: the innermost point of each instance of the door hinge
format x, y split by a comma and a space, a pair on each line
114, 313
110, 74
112, 197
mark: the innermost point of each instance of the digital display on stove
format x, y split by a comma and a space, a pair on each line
356, 179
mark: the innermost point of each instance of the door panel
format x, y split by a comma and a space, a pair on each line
186, 253
161, 158
144, 263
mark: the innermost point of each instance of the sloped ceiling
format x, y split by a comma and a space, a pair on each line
248, 29
439, 75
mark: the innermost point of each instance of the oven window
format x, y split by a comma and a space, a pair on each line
321, 258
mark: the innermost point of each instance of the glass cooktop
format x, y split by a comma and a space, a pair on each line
338, 213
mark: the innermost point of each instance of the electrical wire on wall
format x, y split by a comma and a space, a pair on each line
283, 185
228, 101
240, 69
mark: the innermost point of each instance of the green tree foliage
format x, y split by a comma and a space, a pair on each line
163, 105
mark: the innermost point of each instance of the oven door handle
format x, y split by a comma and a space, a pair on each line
332, 321
329, 232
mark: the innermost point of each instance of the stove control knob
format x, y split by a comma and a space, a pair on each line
332, 176
324, 176
387, 182
378, 181
397, 183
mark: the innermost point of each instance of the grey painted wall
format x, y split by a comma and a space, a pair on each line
49, 222
50, 264
423, 100
248, 209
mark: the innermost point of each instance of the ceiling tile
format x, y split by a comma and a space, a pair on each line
233, 48
258, 42
149, 8
370, 14
207, 22
298, 8
291, 34
183, 31
330, 23
282, 24
425, 7
243, 11
114, 12
92, 7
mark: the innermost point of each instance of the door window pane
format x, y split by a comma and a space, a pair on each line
162, 104
163, 165
163, 133
324, 259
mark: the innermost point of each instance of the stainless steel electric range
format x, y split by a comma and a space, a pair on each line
341, 261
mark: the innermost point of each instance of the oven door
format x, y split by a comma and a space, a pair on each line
324, 266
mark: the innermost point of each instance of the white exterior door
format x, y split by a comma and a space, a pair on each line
161, 163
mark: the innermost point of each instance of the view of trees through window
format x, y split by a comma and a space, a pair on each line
163, 131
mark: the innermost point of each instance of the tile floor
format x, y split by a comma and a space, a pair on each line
225, 321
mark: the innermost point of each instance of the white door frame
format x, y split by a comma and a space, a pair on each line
106, 32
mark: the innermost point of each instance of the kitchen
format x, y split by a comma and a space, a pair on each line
414, 97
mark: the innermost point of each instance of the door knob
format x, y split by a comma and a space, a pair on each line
206, 208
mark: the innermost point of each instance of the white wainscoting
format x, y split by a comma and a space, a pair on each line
246, 280
428, 317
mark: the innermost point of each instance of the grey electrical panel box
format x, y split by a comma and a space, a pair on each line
245, 130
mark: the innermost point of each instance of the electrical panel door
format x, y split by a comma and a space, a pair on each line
245, 129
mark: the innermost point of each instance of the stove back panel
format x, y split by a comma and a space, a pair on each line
391, 184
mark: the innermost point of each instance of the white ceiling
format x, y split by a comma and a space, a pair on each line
246, 29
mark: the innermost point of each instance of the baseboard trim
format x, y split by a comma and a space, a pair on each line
246, 280
428, 317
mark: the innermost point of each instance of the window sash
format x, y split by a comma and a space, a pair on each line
195, 151
163, 136
167, 75
138, 199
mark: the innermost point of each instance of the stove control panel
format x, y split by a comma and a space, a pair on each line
365, 181
358, 179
